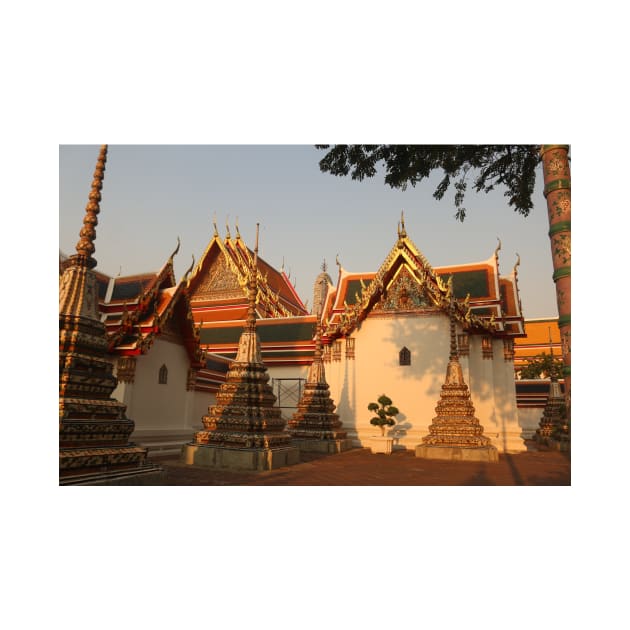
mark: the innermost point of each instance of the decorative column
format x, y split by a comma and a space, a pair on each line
557, 176
455, 433
315, 425
244, 430
94, 432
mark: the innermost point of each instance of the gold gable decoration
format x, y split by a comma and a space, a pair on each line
405, 293
220, 283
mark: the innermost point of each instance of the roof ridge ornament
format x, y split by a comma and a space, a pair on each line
214, 223
175, 252
238, 233
227, 227
187, 273
402, 233
517, 264
496, 251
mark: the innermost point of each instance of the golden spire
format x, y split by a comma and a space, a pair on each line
402, 233
85, 247
251, 308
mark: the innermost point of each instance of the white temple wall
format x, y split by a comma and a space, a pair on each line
376, 370
154, 407
506, 412
415, 389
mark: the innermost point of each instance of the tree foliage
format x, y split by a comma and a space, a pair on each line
384, 411
488, 165
543, 366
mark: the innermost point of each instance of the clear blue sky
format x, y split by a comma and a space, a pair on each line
154, 193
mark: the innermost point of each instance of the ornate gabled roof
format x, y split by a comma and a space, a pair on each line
406, 282
406, 275
220, 280
136, 309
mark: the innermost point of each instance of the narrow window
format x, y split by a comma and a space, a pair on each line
404, 356
163, 376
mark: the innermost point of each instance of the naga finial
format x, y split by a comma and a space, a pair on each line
496, 251
337, 262
517, 264
238, 233
190, 268
227, 227
175, 251
214, 223
402, 232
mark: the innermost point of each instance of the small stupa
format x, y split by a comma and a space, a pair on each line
315, 426
553, 422
455, 433
244, 430
94, 431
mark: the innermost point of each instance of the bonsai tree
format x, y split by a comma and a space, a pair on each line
384, 411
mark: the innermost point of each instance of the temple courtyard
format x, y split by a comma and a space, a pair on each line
360, 467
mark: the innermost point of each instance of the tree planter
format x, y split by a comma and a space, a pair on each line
381, 444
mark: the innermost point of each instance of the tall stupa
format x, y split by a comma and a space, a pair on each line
94, 447
244, 430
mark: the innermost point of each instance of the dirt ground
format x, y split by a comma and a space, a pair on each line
359, 467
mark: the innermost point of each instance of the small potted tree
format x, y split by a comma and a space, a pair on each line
384, 417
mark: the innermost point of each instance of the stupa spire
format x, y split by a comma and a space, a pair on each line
315, 426
85, 247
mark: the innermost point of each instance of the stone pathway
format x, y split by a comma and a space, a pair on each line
359, 467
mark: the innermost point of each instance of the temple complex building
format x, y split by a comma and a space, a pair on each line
387, 332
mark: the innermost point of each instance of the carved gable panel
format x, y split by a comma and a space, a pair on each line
171, 330
404, 293
220, 283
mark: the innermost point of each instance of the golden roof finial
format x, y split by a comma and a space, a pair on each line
85, 247
238, 234
176, 251
214, 223
496, 251
227, 227
402, 233
517, 264
337, 262
190, 268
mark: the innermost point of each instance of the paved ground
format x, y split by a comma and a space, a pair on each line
359, 467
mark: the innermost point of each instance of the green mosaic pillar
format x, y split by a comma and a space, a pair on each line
557, 176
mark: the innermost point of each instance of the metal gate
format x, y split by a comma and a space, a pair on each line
288, 392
